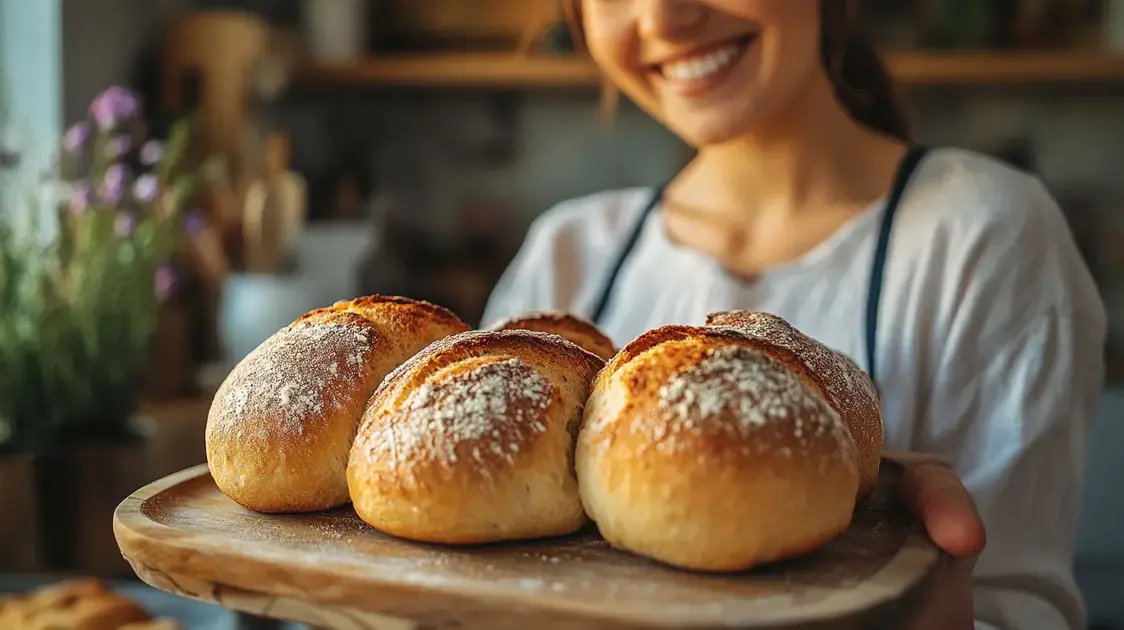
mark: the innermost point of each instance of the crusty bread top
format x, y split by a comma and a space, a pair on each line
374, 308
845, 385
576, 329
295, 376
844, 379
664, 334
699, 390
309, 367
476, 394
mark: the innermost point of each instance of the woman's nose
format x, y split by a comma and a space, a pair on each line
669, 19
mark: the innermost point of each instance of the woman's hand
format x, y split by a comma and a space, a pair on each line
935, 494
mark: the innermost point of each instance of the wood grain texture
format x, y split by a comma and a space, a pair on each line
331, 570
911, 69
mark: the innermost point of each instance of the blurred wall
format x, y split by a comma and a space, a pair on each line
30, 86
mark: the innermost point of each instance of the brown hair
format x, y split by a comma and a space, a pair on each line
862, 83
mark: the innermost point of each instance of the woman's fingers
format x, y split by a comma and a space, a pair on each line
936, 495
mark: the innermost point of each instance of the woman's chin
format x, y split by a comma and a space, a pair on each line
700, 131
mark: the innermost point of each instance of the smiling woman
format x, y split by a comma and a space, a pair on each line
847, 54
950, 277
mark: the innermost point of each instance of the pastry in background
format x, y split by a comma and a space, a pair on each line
472, 441
281, 424
79, 604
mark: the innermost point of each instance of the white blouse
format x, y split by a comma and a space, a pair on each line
990, 341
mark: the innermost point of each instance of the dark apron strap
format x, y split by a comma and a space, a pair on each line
607, 290
881, 252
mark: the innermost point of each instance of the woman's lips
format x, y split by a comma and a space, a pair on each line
699, 73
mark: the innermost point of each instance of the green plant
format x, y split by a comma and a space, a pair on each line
86, 258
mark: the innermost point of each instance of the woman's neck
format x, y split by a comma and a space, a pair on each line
810, 157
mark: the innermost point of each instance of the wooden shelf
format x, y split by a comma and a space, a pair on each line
459, 69
508, 70
1006, 67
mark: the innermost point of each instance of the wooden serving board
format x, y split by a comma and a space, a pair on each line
332, 570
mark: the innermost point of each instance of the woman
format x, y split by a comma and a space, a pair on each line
949, 276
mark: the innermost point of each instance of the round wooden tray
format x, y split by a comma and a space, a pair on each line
329, 569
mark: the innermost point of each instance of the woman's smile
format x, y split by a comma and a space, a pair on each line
711, 70
700, 71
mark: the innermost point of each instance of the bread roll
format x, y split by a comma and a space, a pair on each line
705, 449
847, 388
76, 604
570, 327
472, 441
282, 423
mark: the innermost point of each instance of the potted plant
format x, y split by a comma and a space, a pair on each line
82, 280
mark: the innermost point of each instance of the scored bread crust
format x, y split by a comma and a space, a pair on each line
845, 385
282, 422
471, 440
571, 327
710, 450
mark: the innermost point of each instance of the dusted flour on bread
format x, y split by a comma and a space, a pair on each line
846, 383
472, 440
847, 388
293, 378
708, 449
485, 411
738, 389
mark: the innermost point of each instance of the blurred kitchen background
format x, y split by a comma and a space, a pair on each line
345, 147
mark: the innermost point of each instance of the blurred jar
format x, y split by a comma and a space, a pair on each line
1114, 25
254, 306
336, 30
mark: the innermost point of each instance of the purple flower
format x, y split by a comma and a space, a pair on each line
124, 224
166, 283
151, 152
80, 198
112, 189
114, 106
110, 195
145, 188
118, 147
76, 137
116, 174
194, 223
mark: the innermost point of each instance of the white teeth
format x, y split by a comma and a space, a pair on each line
703, 66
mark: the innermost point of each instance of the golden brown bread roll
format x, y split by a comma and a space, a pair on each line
472, 440
570, 327
704, 448
79, 604
281, 424
846, 386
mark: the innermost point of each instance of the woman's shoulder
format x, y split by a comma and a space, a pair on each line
969, 200
995, 232
975, 190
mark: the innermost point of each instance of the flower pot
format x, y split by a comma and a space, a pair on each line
81, 482
254, 306
19, 530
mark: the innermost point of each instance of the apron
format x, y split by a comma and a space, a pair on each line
905, 171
